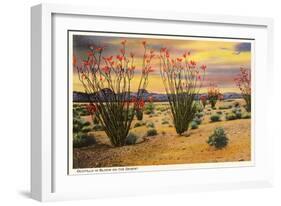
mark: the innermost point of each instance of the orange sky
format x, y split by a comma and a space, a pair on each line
222, 57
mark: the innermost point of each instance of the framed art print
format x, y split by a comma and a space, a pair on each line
134, 102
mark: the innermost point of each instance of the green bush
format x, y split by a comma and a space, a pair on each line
151, 132
149, 108
82, 140
236, 109
197, 120
219, 112
236, 104
131, 139
218, 139
161, 109
193, 125
199, 114
246, 115
237, 112
225, 107
165, 122
150, 124
230, 116
138, 124
215, 118
86, 129
199, 108
238, 115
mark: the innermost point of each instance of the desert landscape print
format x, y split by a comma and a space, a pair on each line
148, 100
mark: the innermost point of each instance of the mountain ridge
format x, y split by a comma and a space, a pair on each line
157, 97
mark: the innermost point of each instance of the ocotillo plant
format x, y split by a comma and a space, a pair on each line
213, 94
243, 82
108, 83
139, 109
182, 79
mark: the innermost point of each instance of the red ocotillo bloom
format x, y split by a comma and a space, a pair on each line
108, 82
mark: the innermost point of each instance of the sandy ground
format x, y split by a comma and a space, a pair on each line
168, 147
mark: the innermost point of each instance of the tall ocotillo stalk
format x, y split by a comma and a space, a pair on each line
243, 82
182, 80
108, 83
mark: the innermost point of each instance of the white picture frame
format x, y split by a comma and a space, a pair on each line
49, 177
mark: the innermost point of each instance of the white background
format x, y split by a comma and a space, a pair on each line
15, 96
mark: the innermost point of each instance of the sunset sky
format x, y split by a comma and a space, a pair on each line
222, 57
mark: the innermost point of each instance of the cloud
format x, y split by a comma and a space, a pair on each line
243, 47
223, 58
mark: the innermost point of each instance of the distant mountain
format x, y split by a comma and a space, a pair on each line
157, 97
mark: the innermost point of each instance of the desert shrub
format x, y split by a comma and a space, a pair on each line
138, 124
98, 127
218, 139
151, 132
193, 125
147, 111
238, 115
225, 107
86, 129
82, 140
161, 109
199, 114
236, 109
230, 116
236, 104
246, 115
219, 112
78, 124
149, 108
150, 124
86, 124
215, 118
237, 112
165, 122
75, 105
197, 120
131, 139
199, 107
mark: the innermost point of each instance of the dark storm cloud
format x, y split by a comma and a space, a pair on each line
82, 41
243, 47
